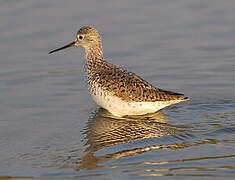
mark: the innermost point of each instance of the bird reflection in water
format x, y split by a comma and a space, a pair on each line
104, 130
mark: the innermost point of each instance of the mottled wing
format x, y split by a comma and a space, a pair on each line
128, 86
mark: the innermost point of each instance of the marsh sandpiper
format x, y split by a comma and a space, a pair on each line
114, 88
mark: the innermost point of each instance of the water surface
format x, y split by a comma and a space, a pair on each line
49, 125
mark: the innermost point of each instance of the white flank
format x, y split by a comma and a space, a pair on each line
119, 107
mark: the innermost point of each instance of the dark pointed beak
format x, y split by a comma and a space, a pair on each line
64, 47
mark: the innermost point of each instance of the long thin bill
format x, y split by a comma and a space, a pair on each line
64, 47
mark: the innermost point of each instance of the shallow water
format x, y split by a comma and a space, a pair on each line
50, 127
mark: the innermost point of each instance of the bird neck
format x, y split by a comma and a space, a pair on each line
94, 53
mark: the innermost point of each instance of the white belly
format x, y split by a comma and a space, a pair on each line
119, 107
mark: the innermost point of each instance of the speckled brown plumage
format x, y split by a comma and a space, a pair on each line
126, 85
114, 88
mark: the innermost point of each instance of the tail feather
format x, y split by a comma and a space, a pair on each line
175, 96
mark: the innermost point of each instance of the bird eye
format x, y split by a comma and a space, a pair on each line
80, 37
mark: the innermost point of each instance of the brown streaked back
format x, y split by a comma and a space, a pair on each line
126, 85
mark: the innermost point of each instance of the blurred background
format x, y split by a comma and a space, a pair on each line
50, 126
